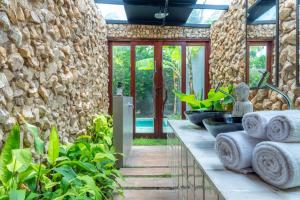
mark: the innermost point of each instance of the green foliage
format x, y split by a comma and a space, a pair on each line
215, 100
38, 142
12, 142
257, 61
84, 169
53, 147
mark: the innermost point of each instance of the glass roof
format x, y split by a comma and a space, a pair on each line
214, 2
269, 15
204, 16
112, 11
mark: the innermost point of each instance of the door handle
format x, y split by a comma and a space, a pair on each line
130, 105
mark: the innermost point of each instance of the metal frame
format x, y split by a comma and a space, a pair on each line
297, 44
158, 44
195, 6
277, 45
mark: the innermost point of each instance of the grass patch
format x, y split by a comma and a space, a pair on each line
149, 142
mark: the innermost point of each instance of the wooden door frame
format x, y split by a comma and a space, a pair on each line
269, 43
158, 103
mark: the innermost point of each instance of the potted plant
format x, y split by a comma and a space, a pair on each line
217, 104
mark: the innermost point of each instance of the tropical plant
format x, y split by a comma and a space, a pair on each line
84, 169
215, 100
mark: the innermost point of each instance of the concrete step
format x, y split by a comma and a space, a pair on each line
147, 156
147, 183
148, 195
146, 172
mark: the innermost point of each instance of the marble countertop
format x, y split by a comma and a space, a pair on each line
231, 185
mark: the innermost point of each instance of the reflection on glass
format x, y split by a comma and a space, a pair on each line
112, 12
144, 73
214, 2
204, 16
121, 68
269, 15
257, 62
195, 71
172, 82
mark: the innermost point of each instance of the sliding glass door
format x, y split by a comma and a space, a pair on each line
152, 72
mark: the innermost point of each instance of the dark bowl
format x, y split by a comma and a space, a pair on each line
223, 125
196, 117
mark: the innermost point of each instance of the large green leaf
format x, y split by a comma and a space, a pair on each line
21, 160
12, 142
39, 144
53, 147
90, 186
17, 195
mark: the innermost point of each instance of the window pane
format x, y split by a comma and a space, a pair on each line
195, 70
257, 62
172, 82
144, 73
269, 15
112, 12
204, 16
214, 2
121, 68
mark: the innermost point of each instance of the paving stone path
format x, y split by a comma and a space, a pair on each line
147, 175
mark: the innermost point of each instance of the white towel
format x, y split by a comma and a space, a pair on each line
235, 149
278, 163
284, 128
255, 123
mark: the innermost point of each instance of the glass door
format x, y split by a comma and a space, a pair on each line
172, 80
144, 89
151, 72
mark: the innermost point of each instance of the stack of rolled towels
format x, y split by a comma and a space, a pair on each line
269, 145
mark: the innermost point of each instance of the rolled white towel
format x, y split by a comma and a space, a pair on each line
255, 123
235, 149
278, 163
284, 128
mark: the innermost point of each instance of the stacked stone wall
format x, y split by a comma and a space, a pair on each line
53, 64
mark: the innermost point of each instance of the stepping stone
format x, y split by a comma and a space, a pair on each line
147, 183
148, 156
161, 172
148, 195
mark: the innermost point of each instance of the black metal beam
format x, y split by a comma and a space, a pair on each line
277, 68
259, 8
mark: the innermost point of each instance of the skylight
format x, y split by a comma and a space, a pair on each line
269, 15
214, 2
204, 16
112, 11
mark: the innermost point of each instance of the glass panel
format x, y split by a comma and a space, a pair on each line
269, 15
172, 82
214, 2
195, 70
210, 193
112, 12
144, 74
257, 61
204, 16
121, 68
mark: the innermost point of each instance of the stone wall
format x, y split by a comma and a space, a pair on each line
228, 46
287, 62
129, 31
228, 53
53, 64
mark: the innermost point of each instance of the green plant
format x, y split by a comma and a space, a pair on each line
215, 100
84, 169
